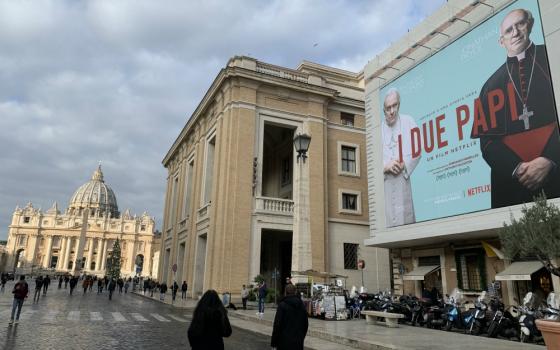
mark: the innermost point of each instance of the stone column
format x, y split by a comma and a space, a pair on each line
30, 256
147, 268
99, 254
131, 245
67, 253
104, 255
61, 253
301, 243
90, 255
78, 257
48, 252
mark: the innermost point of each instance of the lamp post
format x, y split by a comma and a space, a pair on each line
301, 240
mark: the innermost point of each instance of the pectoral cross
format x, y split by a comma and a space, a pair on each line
525, 116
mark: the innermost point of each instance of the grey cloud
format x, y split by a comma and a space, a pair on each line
117, 80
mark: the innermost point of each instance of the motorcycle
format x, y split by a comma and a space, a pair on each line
434, 315
503, 322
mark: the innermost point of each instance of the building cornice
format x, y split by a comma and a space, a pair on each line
240, 72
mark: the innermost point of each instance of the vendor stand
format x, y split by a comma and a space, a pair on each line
323, 300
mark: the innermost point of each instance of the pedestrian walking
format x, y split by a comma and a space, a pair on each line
174, 290
111, 288
66, 280
120, 284
100, 286
126, 286
91, 282
262, 296
85, 285
46, 283
73, 283
3, 281
290, 322
145, 285
162, 291
152, 287
210, 323
20, 291
38, 286
244, 296
184, 288
60, 279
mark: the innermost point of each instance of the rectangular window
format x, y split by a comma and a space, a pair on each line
173, 206
188, 190
351, 256
349, 201
26, 219
21, 240
142, 227
209, 170
56, 243
346, 119
471, 269
348, 158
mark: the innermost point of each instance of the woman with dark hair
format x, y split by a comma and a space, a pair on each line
209, 324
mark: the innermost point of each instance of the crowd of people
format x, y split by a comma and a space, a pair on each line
210, 323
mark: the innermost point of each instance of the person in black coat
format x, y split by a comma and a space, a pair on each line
210, 323
290, 322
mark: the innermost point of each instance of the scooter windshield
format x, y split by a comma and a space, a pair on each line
553, 301
529, 300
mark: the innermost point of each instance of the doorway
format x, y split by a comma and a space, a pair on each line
200, 264
276, 258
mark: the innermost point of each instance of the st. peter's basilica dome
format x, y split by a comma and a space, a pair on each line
96, 196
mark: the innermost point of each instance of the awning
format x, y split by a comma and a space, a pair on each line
519, 271
418, 273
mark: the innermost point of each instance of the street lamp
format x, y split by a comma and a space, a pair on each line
301, 234
301, 143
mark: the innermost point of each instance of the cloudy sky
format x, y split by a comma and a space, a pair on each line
115, 81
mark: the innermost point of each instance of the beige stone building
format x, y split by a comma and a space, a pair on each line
240, 202
80, 239
462, 250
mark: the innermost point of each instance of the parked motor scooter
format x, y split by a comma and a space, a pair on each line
529, 313
503, 323
434, 315
552, 311
455, 317
477, 323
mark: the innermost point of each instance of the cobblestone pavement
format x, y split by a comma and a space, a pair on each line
60, 321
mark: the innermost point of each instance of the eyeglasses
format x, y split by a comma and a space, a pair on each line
521, 25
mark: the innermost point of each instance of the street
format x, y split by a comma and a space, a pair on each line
92, 321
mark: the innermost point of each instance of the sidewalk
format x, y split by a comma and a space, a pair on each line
359, 335
356, 334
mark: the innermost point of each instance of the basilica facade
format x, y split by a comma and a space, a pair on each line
80, 239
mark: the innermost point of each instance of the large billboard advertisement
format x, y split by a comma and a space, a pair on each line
473, 127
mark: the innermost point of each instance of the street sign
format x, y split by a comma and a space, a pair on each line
174, 268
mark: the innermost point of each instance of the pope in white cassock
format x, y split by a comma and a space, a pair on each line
399, 209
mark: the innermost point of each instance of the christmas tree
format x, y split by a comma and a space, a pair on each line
114, 268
